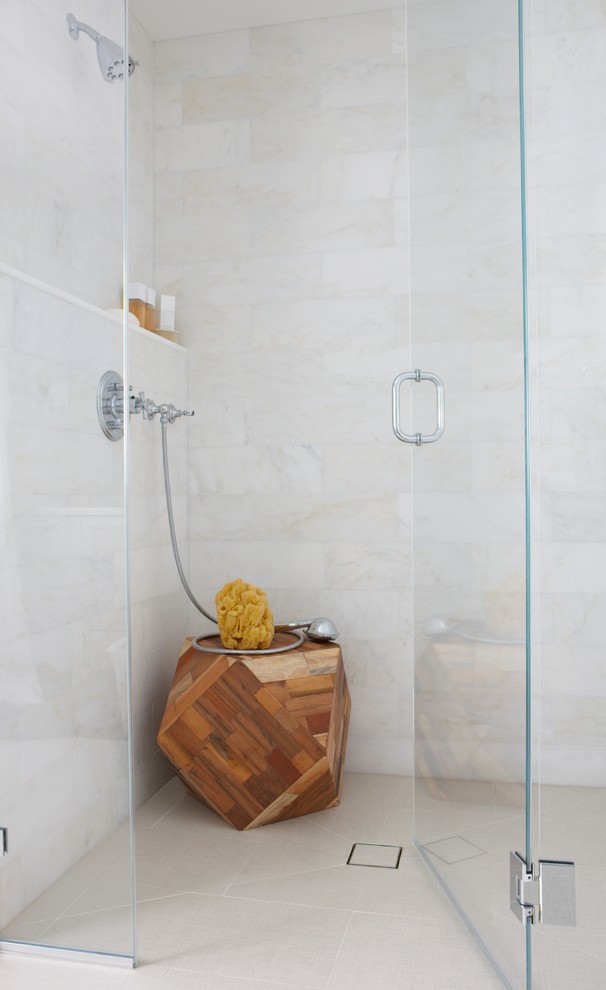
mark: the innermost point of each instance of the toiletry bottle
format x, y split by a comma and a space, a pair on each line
150, 310
165, 313
137, 301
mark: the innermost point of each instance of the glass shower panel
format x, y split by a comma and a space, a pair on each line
568, 207
469, 486
64, 717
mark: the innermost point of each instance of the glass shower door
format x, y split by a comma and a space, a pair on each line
567, 198
64, 665
469, 506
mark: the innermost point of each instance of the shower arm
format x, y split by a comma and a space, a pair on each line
76, 26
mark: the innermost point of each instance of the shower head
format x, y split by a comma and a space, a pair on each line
109, 54
321, 630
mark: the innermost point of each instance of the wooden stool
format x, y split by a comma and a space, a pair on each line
259, 739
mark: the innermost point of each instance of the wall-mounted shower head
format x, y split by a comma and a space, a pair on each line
109, 54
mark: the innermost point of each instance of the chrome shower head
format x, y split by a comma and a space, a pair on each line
111, 60
321, 630
109, 54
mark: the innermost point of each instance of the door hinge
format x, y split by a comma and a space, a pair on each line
3, 841
544, 897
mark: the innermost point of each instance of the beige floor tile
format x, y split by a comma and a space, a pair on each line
60, 895
399, 892
94, 931
557, 965
293, 847
189, 815
160, 803
29, 973
242, 939
365, 802
554, 940
177, 980
285, 887
21, 931
404, 954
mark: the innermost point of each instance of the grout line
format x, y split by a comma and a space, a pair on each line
341, 910
245, 863
179, 800
332, 831
338, 952
295, 873
296, 904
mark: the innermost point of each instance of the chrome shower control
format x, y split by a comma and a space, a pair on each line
166, 411
110, 405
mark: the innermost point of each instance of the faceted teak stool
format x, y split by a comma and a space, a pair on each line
259, 739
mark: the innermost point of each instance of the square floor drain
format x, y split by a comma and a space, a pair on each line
455, 849
370, 854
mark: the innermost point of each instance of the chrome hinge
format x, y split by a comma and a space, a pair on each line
3, 841
544, 898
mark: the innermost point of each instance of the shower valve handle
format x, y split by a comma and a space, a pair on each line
171, 413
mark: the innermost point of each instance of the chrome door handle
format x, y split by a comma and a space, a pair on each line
418, 376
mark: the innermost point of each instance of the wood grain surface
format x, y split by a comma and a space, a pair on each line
259, 739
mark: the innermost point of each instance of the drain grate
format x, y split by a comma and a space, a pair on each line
454, 849
375, 854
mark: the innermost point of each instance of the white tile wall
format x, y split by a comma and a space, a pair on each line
568, 213
61, 159
467, 327
279, 174
64, 766
297, 254
141, 157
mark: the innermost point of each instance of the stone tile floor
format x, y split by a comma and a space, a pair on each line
272, 908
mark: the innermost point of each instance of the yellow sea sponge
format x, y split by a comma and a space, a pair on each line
244, 616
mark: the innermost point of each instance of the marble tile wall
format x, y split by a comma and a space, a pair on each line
466, 315
62, 149
466, 311
280, 191
64, 761
569, 293
141, 157
61, 159
467, 321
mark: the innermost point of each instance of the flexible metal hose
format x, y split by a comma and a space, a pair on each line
173, 534
298, 637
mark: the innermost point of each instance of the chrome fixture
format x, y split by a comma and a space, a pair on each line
109, 54
167, 412
299, 638
111, 404
543, 897
320, 630
418, 376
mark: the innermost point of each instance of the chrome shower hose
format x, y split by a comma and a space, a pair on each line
299, 637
